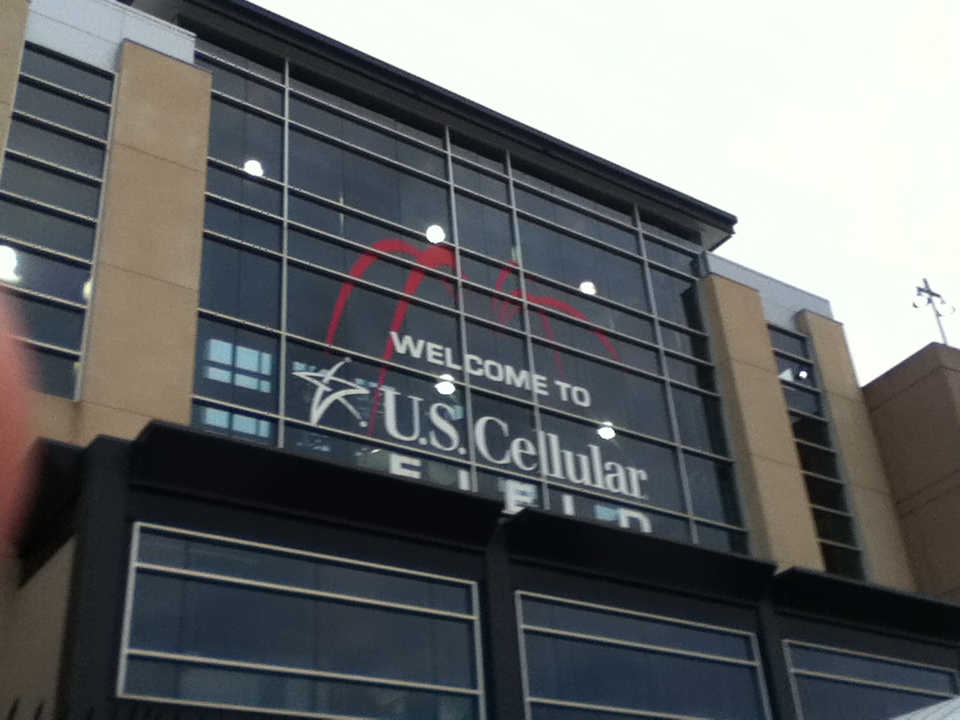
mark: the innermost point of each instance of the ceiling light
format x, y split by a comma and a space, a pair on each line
87, 290
606, 430
8, 264
436, 234
588, 287
253, 167
445, 385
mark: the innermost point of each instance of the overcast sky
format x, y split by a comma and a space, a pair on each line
831, 128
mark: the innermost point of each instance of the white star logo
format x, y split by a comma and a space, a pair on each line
325, 395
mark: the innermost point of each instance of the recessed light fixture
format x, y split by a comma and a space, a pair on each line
253, 167
606, 430
87, 290
803, 374
445, 385
436, 234
8, 264
588, 287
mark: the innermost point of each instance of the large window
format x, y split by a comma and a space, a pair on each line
425, 308
834, 684
49, 204
227, 623
587, 662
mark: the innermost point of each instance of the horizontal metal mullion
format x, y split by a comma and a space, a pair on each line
56, 168
61, 129
627, 712
870, 683
64, 90
41, 205
572, 205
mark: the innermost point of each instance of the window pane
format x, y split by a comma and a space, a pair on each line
577, 221
700, 421
243, 87
53, 147
54, 373
484, 228
831, 700
842, 561
64, 110
806, 401
795, 371
686, 343
236, 365
45, 228
810, 429
691, 373
504, 310
234, 424
834, 527
50, 323
243, 225
245, 189
671, 257
238, 136
594, 340
580, 306
816, 460
723, 539
712, 489
826, 493
51, 187
497, 360
480, 182
676, 299
788, 342
240, 283
60, 72
41, 273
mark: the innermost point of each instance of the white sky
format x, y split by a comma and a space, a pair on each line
830, 128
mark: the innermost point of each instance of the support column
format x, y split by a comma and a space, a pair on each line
770, 480
12, 33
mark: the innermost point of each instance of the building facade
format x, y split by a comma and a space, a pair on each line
359, 400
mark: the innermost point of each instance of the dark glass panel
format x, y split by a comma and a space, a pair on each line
602, 511
476, 152
257, 625
47, 229
49, 145
234, 424
788, 342
795, 371
503, 310
54, 373
582, 307
816, 460
236, 365
504, 434
576, 220
810, 429
687, 239
238, 136
270, 71
842, 561
548, 712
881, 670
371, 322
824, 699
635, 628
834, 527
51, 187
686, 343
826, 493
497, 360
632, 469
316, 166
603, 392
240, 561
502, 276
372, 267
807, 401
574, 262
712, 489
723, 539
291, 693
83, 79
71, 112
671, 257
356, 133
243, 87
700, 422
480, 182
676, 299
642, 680
237, 282
49, 322
593, 340
484, 228
245, 189
625, 217
691, 373
242, 225
41, 273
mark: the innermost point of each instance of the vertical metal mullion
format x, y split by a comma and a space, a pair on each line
128, 607
282, 359
461, 319
667, 386
527, 333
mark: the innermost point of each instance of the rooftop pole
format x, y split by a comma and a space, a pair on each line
927, 296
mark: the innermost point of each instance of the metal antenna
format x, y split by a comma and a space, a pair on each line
934, 300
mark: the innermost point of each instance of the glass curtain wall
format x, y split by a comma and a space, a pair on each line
49, 205
385, 292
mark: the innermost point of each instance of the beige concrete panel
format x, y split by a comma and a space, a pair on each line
776, 498
162, 107
101, 420
911, 370
153, 217
5, 111
140, 345
56, 418
35, 647
734, 314
882, 544
857, 445
758, 413
931, 537
834, 365
917, 434
13, 30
